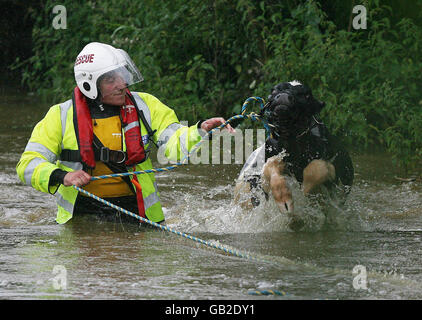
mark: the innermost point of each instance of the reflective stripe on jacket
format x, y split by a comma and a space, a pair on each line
56, 132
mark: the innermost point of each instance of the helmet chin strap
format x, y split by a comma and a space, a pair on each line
97, 101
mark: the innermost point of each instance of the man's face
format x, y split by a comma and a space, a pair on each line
113, 89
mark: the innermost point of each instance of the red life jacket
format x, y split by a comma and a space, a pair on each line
135, 152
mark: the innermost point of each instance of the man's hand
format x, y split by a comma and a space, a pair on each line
77, 178
212, 123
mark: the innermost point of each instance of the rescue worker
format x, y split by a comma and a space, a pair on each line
103, 129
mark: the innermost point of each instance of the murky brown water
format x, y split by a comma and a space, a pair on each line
380, 230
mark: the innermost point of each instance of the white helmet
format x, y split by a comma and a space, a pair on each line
97, 59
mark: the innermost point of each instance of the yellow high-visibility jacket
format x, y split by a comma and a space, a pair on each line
56, 132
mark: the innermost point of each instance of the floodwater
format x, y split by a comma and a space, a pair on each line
373, 251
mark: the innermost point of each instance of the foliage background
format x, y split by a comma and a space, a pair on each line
204, 58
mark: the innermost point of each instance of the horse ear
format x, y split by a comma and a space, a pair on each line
318, 106
283, 86
314, 106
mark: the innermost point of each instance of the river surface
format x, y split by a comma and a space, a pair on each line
372, 252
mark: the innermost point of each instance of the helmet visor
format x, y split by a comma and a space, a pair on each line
119, 78
131, 68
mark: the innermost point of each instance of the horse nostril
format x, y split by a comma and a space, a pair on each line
287, 207
291, 100
284, 98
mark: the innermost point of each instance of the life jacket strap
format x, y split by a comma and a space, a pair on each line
139, 197
144, 121
103, 154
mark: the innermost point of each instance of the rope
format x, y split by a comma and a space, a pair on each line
253, 116
233, 252
267, 293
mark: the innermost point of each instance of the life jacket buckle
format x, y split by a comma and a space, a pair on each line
114, 156
104, 154
123, 158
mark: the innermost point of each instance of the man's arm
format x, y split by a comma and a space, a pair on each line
178, 140
38, 161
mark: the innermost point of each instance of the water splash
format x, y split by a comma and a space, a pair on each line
224, 216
